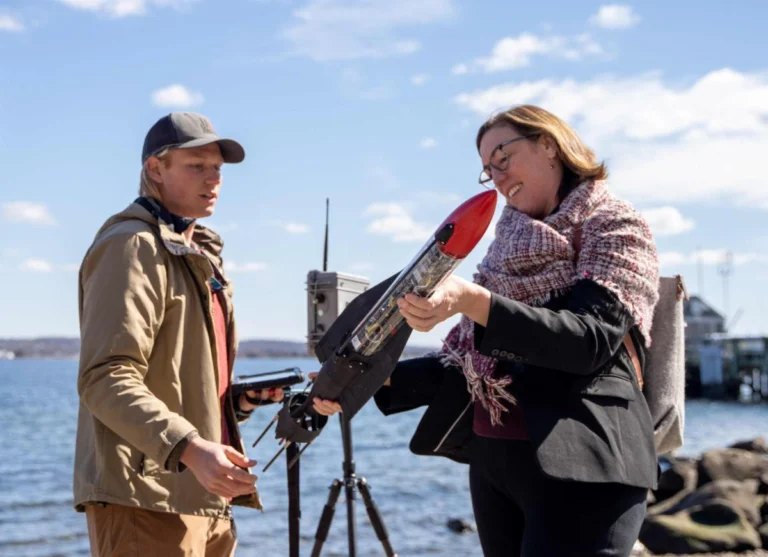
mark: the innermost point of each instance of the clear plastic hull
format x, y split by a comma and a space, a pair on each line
421, 277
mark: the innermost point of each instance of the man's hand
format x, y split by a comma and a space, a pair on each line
275, 395
219, 468
324, 407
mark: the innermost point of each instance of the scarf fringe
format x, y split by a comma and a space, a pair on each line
486, 389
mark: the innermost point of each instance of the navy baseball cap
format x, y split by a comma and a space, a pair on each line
184, 130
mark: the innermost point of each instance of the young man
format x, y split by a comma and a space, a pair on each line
159, 457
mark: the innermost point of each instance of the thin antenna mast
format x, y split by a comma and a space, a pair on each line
700, 271
325, 247
725, 269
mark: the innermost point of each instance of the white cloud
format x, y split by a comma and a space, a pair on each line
667, 221
419, 79
694, 171
428, 143
250, 267
615, 16
516, 52
710, 257
10, 23
176, 96
27, 212
703, 141
295, 228
459, 69
395, 221
641, 107
672, 259
339, 30
36, 266
124, 8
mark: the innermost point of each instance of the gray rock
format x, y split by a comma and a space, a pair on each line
460, 526
731, 464
756, 445
711, 527
738, 495
763, 531
681, 475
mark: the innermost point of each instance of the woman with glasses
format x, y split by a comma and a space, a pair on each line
551, 344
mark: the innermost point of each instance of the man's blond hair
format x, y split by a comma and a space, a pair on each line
147, 186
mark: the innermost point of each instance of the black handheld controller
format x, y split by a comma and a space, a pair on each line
282, 378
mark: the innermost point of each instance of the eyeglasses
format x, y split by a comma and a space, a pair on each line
499, 160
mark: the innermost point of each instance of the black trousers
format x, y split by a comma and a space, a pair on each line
521, 512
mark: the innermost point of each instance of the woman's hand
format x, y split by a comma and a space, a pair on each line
454, 295
324, 407
422, 314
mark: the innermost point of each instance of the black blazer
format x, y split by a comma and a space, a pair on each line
584, 411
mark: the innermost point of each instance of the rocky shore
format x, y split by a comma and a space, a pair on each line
716, 504
755, 553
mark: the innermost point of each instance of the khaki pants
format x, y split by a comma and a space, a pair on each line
119, 531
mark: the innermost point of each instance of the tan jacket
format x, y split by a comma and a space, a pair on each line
148, 375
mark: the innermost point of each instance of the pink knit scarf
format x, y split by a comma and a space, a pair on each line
532, 261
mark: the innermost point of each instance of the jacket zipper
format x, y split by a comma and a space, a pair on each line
450, 429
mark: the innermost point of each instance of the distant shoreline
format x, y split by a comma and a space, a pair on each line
25, 356
67, 348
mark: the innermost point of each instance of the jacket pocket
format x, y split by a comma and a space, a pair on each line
434, 437
607, 386
445, 428
150, 468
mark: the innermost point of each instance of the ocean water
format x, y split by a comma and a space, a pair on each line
416, 495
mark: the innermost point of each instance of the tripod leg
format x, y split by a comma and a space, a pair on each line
349, 492
350, 482
294, 502
324, 526
375, 516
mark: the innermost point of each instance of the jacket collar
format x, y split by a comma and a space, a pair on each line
172, 227
178, 224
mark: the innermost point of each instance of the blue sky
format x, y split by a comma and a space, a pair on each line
374, 104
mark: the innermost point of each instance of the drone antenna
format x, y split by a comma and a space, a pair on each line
325, 247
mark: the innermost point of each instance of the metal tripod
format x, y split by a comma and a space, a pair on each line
294, 504
350, 483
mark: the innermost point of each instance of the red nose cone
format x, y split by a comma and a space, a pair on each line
470, 220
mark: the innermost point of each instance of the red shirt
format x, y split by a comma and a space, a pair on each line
512, 424
220, 331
